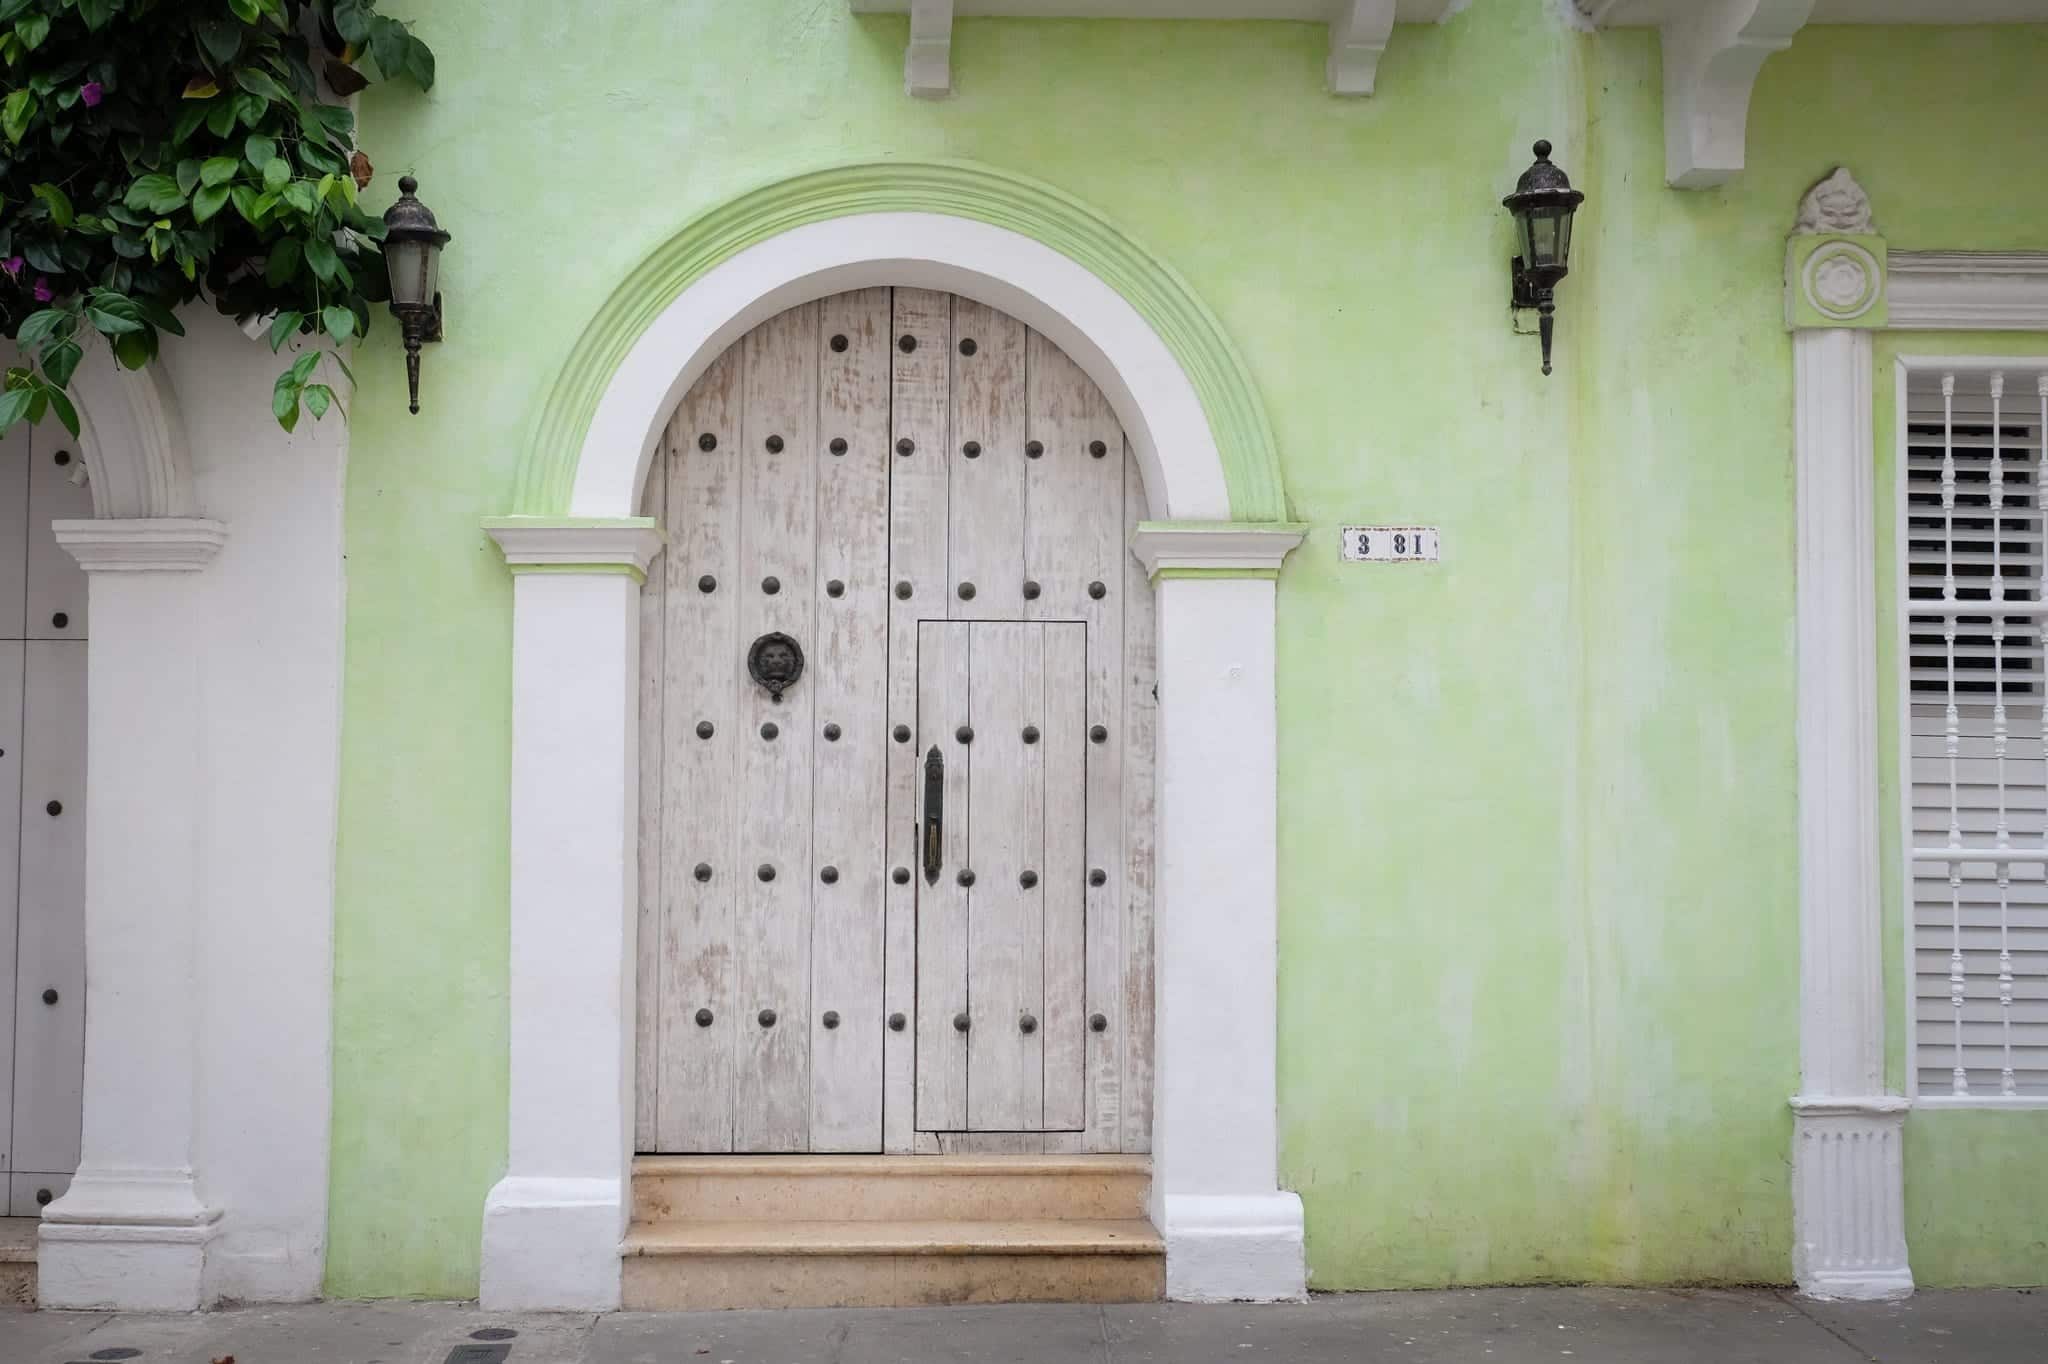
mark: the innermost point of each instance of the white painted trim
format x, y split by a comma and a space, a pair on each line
1969, 290
928, 58
539, 541
1359, 33
158, 544
132, 1230
553, 1224
1713, 50
1711, 60
1848, 1178
1254, 548
1102, 333
131, 438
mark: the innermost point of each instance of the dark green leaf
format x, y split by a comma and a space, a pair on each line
318, 397
352, 20
135, 349
221, 39
339, 322
188, 174
283, 327
60, 361
300, 196
259, 151
284, 401
220, 118
160, 317
10, 9
388, 43
284, 262
155, 194
245, 10
250, 109
259, 84
43, 257
245, 204
302, 368
59, 202
66, 413
218, 170
419, 63
276, 172
45, 323
321, 257
189, 119
208, 202
32, 29
15, 112
14, 406
113, 314
95, 12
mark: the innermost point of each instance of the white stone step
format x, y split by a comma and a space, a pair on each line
890, 1188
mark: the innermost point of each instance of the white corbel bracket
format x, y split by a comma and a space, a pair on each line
1359, 32
1713, 50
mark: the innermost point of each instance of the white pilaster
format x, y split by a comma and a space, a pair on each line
553, 1224
132, 1231
1848, 1206
1231, 1231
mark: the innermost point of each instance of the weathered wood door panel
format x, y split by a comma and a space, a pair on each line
855, 474
1010, 740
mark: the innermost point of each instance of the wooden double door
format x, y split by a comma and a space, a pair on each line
896, 773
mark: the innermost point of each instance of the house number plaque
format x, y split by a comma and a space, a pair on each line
1391, 545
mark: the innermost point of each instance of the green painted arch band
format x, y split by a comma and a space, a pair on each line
1190, 332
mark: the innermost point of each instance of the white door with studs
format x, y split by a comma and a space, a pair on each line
897, 717
43, 632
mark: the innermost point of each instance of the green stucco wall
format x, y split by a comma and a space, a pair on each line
1538, 880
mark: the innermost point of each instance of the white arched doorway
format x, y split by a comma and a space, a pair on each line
554, 1223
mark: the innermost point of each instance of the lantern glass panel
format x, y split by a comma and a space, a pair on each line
415, 269
1541, 238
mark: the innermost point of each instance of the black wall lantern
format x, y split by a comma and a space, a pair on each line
1543, 204
412, 257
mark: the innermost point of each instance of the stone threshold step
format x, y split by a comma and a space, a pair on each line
905, 1167
894, 1238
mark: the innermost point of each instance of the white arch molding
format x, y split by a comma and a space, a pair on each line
1091, 322
133, 1230
553, 1225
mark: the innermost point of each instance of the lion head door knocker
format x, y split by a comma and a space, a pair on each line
775, 662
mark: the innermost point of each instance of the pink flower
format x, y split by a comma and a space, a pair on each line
91, 93
12, 265
42, 291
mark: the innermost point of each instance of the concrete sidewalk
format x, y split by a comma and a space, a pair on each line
1478, 1326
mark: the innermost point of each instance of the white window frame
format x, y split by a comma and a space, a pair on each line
1904, 369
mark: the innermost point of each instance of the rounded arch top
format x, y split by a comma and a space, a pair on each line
1160, 356
131, 438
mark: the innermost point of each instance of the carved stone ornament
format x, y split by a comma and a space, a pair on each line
1835, 262
775, 662
1836, 206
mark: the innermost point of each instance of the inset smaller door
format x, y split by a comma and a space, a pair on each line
1001, 916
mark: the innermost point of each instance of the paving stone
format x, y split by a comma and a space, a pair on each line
1477, 1326
1944, 1326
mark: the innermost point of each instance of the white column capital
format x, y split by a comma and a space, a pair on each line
1250, 549
142, 544
535, 544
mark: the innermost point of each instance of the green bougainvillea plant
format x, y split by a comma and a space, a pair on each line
153, 152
